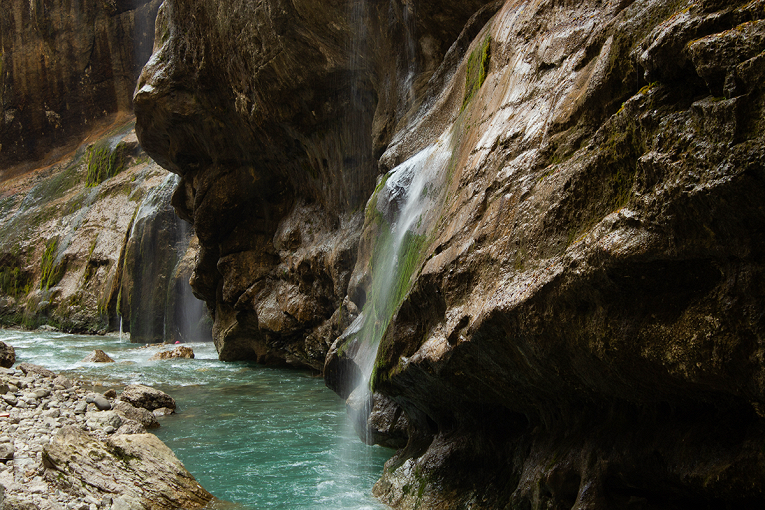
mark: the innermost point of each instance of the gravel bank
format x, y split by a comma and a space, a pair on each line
40, 410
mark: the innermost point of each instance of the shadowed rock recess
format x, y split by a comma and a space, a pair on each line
580, 321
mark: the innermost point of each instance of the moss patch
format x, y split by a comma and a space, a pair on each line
477, 68
104, 162
51, 273
14, 282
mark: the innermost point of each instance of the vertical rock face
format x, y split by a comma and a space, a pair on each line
66, 65
580, 320
89, 241
271, 114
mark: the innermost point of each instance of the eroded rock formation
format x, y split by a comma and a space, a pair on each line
580, 320
88, 239
66, 66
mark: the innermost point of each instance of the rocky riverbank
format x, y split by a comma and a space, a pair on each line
63, 447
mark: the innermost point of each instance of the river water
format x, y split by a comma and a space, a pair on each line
263, 438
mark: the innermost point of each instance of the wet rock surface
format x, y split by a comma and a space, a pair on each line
59, 451
268, 142
580, 325
180, 351
97, 356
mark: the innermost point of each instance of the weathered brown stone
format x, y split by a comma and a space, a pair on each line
180, 351
146, 397
32, 370
98, 356
138, 414
135, 466
7, 355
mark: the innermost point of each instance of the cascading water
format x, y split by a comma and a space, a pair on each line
190, 320
403, 209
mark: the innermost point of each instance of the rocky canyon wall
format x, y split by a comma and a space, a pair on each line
578, 313
88, 240
65, 66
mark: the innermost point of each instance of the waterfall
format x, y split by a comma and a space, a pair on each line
188, 313
403, 208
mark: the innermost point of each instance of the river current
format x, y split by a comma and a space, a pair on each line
263, 438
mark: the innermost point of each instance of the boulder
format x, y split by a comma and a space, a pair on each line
102, 403
180, 351
103, 419
31, 370
7, 355
135, 466
64, 382
97, 356
6, 451
131, 427
129, 412
139, 395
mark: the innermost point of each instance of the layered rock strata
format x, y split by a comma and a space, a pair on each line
579, 324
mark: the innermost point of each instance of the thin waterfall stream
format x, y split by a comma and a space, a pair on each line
403, 209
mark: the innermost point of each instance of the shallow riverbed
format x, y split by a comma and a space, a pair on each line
260, 437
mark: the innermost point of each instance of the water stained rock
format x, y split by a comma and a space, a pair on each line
98, 356
180, 351
577, 325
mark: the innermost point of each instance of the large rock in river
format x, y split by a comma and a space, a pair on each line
146, 397
138, 468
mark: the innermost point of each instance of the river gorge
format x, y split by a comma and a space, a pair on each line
523, 240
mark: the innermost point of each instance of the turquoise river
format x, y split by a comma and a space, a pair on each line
262, 438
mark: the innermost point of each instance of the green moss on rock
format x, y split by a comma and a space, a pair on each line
477, 68
105, 162
51, 272
14, 282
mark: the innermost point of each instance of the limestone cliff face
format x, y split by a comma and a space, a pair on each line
65, 66
577, 318
91, 244
272, 113
88, 239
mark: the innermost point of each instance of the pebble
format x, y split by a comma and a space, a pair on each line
32, 410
